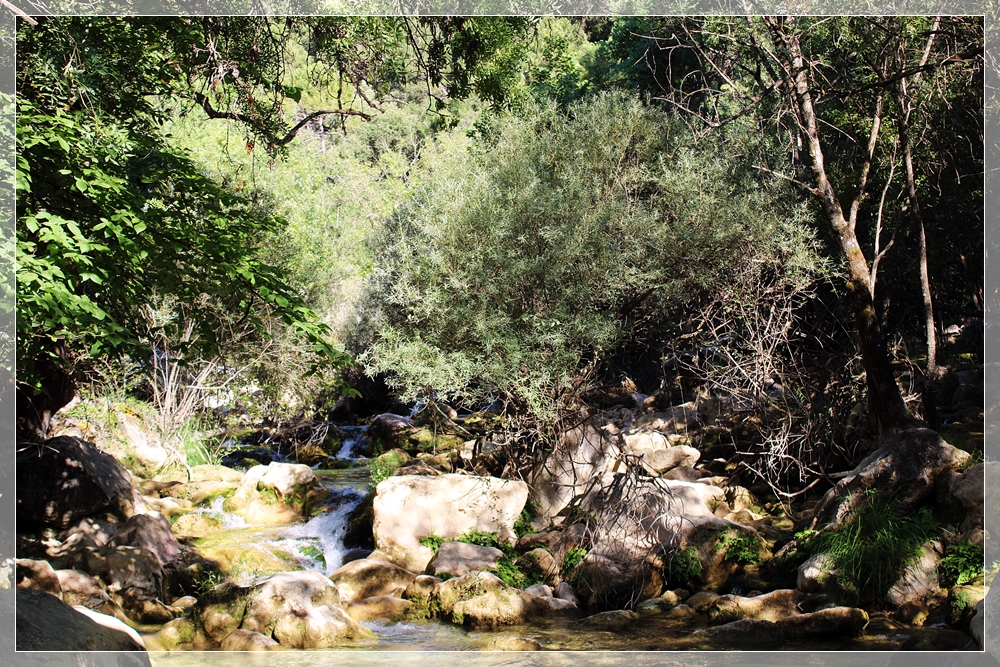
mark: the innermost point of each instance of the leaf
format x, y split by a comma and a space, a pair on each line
81, 185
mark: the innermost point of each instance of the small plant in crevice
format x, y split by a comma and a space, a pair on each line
433, 542
741, 549
683, 566
873, 546
382, 468
961, 565
573, 558
522, 526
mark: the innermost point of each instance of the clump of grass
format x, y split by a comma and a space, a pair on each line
874, 545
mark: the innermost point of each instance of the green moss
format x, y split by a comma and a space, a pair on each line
962, 564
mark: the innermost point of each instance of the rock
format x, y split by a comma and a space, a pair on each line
148, 450
883, 625
399, 432
556, 542
581, 456
645, 442
834, 622
937, 639
276, 494
681, 612
541, 563
977, 626
674, 420
121, 568
912, 612
196, 524
513, 644
610, 621
701, 602
564, 591
247, 640
920, 578
66, 479
45, 623
773, 607
814, 573
366, 578
300, 610
671, 598
409, 508
110, 622
498, 607
447, 594
745, 633
683, 474
37, 575
963, 601
458, 558
178, 632
150, 532
539, 591
905, 468
654, 606
662, 460
422, 593
97, 530
201, 493
380, 608
740, 498
79, 588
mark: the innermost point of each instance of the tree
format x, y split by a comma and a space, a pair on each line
822, 86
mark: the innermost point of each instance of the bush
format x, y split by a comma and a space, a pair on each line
518, 267
433, 542
741, 549
382, 468
683, 567
962, 564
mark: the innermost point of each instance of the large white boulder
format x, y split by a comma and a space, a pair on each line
410, 507
582, 455
276, 494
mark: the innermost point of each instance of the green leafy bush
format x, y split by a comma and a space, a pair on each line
963, 563
479, 537
432, 541
382, 468
684, 566
573, 558
742, 549
874, 545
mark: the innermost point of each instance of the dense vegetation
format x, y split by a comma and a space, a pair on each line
501, 209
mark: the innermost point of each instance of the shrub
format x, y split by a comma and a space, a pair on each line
382, 468
741, 549
683, 567
433, 541
573, 558
963, 563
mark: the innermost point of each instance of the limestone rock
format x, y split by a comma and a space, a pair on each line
44, 623
834, 622
380, 608
408, 508
66, 479
37, 575
744, 633
498, 607
458, 558
920, 578
247, 640
276, 494
814, 573
611, 621
541, 563
772, 606
150, 532
366, 578
79, 588
564, 591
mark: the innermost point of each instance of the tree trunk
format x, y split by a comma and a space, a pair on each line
884, 397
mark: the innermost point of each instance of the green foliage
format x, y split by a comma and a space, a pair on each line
522, 526
874, 545
479, 537
573, 558
523, 263
511, 574
684, 566
741, 549
382, 468
962, 564
432, 541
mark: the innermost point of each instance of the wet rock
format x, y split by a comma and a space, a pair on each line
300, 610
45, 623
221, 610
247, 640
744, 633
681, 612
654, 606
458, 558
835, 622
883, 625
37, 575
773, 607
150, 532
498, 607
196, 524
513, 644
912, 612
380, 608
701, 602
610, 621
178, 632
906, 468
409, 508
276, 494
448, 593
937, 639
66, 479
366, 578
421, 592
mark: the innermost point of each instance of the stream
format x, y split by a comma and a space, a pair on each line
318, 545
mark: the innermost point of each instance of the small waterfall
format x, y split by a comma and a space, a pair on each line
355, 434
329, 528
